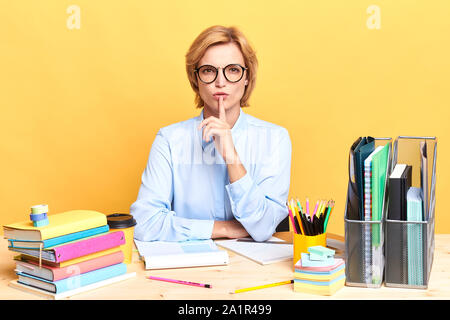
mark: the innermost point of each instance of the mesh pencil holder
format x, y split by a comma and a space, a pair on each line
409, 245
364, 238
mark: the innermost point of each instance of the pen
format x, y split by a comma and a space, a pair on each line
195, 284
263, 286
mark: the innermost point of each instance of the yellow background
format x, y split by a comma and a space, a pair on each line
80, 108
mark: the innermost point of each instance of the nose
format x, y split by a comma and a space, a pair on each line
220, 80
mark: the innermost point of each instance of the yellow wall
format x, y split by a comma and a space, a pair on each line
80, 107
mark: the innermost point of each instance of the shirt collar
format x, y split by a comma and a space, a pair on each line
238, 125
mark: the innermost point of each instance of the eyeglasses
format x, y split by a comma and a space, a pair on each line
232, 72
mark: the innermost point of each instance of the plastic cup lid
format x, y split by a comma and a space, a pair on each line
120, 220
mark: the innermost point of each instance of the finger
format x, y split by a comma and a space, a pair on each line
222, 114
209, 133
206, 121
206, 130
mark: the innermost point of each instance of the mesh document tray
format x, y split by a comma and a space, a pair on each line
364, 256
409, 245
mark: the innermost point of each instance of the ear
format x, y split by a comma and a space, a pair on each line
246, 82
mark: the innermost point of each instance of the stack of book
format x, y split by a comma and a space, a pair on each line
74, 253
318, 272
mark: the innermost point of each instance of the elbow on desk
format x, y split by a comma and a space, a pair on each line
261, 235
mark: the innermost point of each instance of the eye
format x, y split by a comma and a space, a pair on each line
208, 70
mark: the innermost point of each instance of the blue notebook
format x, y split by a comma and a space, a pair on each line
27, 244
74, 282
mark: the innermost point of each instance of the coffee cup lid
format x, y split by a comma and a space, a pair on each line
120, 220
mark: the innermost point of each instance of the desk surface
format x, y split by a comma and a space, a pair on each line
240, 273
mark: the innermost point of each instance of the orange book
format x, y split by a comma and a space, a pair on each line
54, 273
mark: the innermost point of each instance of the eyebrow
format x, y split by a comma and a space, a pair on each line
210, 64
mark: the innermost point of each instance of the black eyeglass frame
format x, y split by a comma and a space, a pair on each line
223, 71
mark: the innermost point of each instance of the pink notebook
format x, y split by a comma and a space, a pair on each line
55, 273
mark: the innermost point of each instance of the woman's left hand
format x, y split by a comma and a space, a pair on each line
220, 131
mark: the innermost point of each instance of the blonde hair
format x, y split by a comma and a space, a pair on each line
219, 35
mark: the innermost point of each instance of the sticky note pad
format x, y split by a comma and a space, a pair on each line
318, 257
307, 262
322, 251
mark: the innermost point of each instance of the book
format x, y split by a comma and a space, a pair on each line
54, 274
78, 248
260, 252
193, 253
64, 295
59, 224
74, 282
29, 258
399, 184
28, 244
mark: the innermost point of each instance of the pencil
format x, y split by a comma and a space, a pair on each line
263, 286
299, 205
292, 220
195, 284
315, 210
298, 216
330, 208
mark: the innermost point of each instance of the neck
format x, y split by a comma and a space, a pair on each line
232, 114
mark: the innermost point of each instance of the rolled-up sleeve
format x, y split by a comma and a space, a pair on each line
259, 203
152, 209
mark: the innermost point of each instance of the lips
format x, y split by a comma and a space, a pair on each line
217, 95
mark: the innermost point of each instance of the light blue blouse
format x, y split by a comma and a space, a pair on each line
185, 185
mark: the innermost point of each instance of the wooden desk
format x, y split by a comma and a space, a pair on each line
240, 273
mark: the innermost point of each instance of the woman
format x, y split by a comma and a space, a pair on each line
223, 174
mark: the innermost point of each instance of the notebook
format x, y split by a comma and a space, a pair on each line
59, 224
54, 274
260, 252
399, 183
193, 253
73, 282
415, 236
27, 244
379, 173
367, 272
76, 249
424, 176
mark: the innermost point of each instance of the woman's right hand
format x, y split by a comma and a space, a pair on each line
228, 229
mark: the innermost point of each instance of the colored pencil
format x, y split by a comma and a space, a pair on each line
263, 286
292, 220
195, 284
